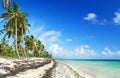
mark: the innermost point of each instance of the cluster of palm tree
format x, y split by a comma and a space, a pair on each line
35, 48
6, 49
16, 26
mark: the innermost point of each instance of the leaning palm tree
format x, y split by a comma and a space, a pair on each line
23, 28
16, 20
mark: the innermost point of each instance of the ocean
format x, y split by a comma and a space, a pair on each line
97, 68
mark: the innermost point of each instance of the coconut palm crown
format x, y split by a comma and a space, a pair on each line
16, 23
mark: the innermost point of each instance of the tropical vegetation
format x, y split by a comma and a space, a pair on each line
16, 26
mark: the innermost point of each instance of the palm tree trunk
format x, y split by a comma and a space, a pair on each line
16, 49
39, 53
25, 52
13, 46
24, 48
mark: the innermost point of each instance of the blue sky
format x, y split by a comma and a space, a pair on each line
76, 28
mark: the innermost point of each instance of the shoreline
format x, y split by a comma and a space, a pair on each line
53, 69
48, 73
62, 70
80, 72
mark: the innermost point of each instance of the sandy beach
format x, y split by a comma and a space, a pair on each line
38, 68
62, 70
24, 68
34, 73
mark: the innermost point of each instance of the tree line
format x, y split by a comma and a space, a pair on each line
16, 26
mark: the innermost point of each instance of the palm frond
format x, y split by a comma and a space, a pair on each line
2, 31
15, 7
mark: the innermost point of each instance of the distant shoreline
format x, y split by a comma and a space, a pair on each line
91, 59
96, 68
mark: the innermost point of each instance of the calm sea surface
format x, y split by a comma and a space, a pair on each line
97, 68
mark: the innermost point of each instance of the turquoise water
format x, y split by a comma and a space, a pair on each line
98, 68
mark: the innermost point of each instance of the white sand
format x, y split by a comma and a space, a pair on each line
34, 73
80, 72
65, 70
62, 70
30, 73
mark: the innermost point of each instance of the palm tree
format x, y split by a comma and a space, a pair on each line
4, 46
4, 42
16, 23
38, 47
30, 43
23, 28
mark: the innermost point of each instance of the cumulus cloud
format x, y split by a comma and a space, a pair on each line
91, 17
55, 48
51, 39
82, 51
58, 51
117, 18
108, 52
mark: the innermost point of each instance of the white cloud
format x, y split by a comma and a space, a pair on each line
117, 18
108, 52
55, 48
49, 33
69, 40
51, 39
91, 17
59, 52
82, 51
50, 36
118, 53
